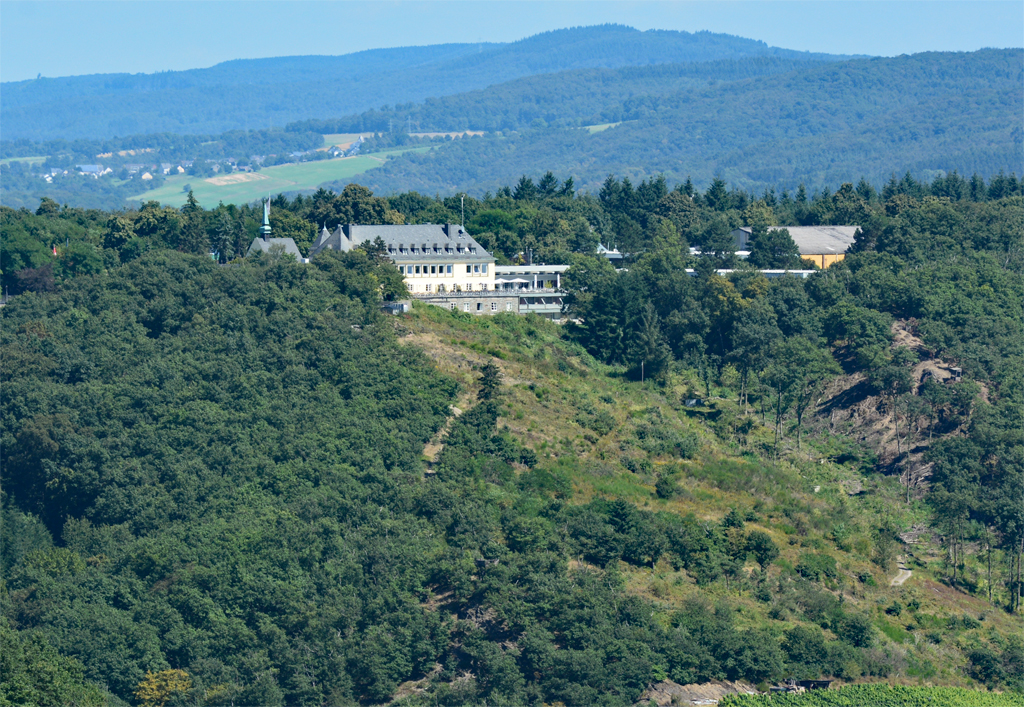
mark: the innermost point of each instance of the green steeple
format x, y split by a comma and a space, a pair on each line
265, 228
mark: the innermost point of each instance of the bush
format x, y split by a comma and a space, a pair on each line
666, 487
762, 547
806, 649
857, 630
600, 422
815, 566
985, 666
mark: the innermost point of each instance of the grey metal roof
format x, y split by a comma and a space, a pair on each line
813, 240
259, 244
432, 242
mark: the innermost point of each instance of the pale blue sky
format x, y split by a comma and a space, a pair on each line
61, 38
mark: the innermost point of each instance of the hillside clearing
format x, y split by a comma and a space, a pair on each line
245, 187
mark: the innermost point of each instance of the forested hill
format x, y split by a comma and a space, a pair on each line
258, 93
818, 124
573, 98
242, 484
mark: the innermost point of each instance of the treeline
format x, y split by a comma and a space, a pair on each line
159, 147
23, 187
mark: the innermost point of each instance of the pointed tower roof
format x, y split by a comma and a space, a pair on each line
265, 228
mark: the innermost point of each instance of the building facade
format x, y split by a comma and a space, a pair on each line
433, 258
529, 277
822, 245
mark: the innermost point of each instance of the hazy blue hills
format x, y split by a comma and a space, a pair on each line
819, 124
564, 99
263, 92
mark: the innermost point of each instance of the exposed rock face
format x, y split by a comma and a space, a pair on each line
707, 693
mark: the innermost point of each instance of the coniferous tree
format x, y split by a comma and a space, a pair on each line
194, 238
548, 185
773, 249
525, 189
649, 356
490, 382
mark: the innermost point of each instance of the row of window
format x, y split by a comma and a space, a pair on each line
480, 306
480, 286
426, 249
440, 269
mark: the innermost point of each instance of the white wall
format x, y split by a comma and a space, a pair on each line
480, 277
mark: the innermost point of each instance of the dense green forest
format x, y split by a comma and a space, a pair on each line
258, 93
926, 113
218, 483
732, 118
563, 99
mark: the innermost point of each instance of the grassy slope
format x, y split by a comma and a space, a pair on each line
548, 379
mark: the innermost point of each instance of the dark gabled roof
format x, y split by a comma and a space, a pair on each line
412, 243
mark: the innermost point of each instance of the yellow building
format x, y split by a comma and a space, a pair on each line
822, 245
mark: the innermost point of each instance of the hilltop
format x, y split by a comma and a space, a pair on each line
257, 93
244, 483
819, 124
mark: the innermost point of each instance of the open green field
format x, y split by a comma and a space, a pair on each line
244, 187
30, 160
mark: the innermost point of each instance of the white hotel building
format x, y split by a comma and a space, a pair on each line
433, 258
445, 266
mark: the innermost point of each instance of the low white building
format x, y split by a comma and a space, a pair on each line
529, 277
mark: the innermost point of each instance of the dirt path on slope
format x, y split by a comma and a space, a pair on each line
436, 444
904, 573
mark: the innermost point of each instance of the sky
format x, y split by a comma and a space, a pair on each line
62, 38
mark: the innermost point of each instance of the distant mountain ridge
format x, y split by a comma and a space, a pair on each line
257, 93
821, 125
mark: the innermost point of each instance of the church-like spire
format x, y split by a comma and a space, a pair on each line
265, 228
